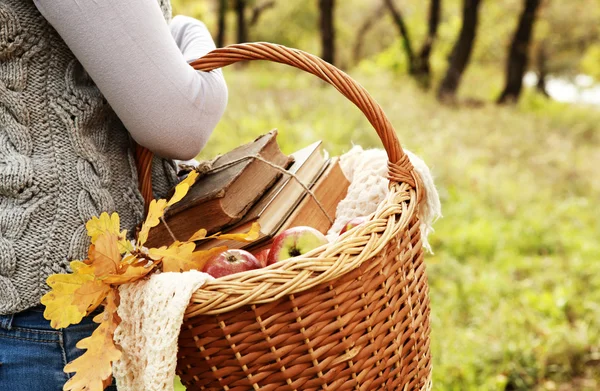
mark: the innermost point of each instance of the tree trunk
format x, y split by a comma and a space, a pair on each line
461, 53
327, 30
518, 57
542, 70
399, 21
221, 23
259, 9
422, 67
242, 32
362, 31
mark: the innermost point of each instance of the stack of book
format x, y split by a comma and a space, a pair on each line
259, 194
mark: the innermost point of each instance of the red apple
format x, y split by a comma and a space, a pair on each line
262, 256
353, 223
230, 262
293, 242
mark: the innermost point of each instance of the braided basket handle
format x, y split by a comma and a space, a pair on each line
400, 168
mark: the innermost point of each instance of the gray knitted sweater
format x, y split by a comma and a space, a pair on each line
64, 157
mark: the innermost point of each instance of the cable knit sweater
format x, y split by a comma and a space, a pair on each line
64, 157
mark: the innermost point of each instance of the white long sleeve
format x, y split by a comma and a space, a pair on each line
140, 64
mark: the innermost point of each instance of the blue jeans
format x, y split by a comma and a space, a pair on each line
32, 354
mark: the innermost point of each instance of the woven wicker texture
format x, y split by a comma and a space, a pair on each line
349, 315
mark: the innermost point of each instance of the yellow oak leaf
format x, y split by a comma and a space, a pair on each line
105, 224
124, 245
129, 259
249, 236
97, 226
180, 192
61, 310
200, 234
90, 295
190, 179
94, 367
105, 256
80, 267
199, 258
128, 273
156, 210
180, 257
175, 258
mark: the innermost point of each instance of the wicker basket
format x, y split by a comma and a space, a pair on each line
350, 315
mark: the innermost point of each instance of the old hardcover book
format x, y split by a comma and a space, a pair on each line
279, 202
330, 189
224, 195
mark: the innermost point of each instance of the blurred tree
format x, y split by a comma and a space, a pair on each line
258, 10
461, 52
542, 68
406, 44
221, 22
364, 28
518, 57
242, 30
568, 29
326, 8
422, 67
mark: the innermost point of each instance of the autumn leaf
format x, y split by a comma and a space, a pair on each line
97, 226
129, 259
180, 257
90, 295
124, 245
94, 367
156, 210
249, 236
200, 234
128, 273
104, 224
61, 309
190, 179
177, 257
104, 255
199, 258
180, 192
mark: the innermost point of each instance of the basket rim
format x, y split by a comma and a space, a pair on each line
321, 265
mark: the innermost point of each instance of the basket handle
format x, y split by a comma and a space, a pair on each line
400, 168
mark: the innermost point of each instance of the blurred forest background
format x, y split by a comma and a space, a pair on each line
500, 97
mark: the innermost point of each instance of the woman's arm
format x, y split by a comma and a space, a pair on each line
128, 49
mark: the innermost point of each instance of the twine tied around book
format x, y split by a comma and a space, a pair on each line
206, 166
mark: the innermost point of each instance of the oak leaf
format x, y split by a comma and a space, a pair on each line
94, 367
128, 273
97, 226
156, 210
104, 256
61, 308
200, 234
180, 191
90, 295
190, 179
199, 258
180, 257
249, 236
106, 224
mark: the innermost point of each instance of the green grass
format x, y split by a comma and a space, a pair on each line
515, 279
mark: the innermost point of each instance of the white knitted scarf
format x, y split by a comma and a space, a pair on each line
152, 310
366, 170
151, 314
